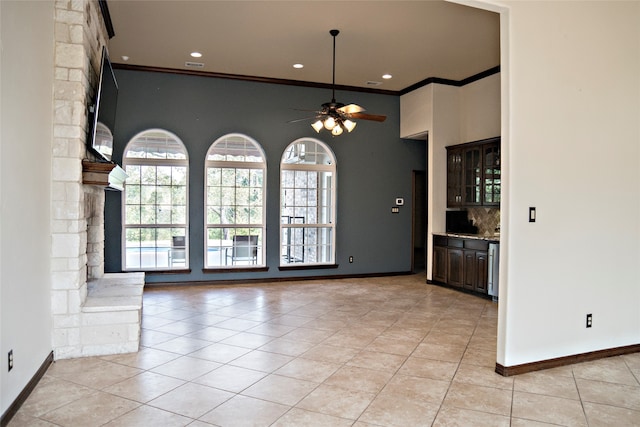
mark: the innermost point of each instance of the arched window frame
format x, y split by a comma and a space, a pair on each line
155, 232
308, 191
235, 211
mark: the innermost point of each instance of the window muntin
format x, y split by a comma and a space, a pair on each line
235, 171
307, 204
155, 202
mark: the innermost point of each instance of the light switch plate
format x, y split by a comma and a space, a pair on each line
399, 201
532, 214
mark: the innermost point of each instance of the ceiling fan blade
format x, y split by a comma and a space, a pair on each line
365, 116
336, 110
305, 109
351, 108
302, 120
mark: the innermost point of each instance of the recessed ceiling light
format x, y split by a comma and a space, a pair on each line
125, 58
196, 54
298, 66
387, 76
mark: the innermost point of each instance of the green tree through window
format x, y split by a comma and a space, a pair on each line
307, 203
235, 172
155, 202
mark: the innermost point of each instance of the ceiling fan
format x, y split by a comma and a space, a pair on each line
336, 116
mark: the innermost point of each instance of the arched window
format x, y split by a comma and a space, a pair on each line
155, 208
307, 203
235, 171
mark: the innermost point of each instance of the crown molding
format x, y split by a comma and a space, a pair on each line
301, 83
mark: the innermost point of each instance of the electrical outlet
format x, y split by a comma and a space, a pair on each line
351, 260
589, 320
10, 360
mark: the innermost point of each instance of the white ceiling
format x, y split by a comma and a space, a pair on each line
412, 40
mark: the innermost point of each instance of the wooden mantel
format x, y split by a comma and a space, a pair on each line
103, 174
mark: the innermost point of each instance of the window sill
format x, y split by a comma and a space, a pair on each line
307, 267
234, 270
180, 271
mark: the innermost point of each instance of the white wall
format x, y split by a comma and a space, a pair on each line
444, 132
571, 137
26, 81
416, 111
480, 109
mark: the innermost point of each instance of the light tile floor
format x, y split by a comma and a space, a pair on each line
389, 351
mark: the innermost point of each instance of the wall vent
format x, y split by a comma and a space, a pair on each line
372, 83
193, 64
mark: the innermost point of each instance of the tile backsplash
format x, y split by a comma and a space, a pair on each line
486, 219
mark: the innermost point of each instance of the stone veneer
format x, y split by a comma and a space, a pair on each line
77, 246
486, 219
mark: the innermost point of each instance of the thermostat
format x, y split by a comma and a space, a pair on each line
399, 201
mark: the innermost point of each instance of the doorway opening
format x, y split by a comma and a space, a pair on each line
419, 222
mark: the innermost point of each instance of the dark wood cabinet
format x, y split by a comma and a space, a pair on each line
461, 263
482, 272
454, 177
491, 174
473, 174
476, 270
455, 267
440, 263
470, 270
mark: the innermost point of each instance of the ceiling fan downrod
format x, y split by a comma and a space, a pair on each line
334, 33
337, 117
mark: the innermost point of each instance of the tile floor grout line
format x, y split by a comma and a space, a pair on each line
385, 309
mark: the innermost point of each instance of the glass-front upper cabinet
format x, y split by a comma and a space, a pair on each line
491, 155
472, 176
454, 177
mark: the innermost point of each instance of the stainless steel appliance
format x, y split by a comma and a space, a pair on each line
494, 269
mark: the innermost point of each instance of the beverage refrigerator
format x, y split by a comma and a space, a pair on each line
494, 270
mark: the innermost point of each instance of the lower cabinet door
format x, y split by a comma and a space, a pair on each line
440, 264
482, 272
455, 267
470, 270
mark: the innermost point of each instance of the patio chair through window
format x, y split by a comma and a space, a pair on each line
244, 250
178, 251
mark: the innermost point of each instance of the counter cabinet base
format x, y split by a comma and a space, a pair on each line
465, 290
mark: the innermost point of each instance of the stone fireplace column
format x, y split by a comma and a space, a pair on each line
77, 240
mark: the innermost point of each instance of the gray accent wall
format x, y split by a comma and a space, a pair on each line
374, 165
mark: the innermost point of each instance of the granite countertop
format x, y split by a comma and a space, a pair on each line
492, 238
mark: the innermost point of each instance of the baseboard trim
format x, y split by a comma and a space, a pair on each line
507, 371
275, 279
22, 397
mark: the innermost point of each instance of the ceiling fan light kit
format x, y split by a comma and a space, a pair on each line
334, 116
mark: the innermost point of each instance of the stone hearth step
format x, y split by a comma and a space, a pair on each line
111, 314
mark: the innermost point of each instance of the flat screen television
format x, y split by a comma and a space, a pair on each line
102, 114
